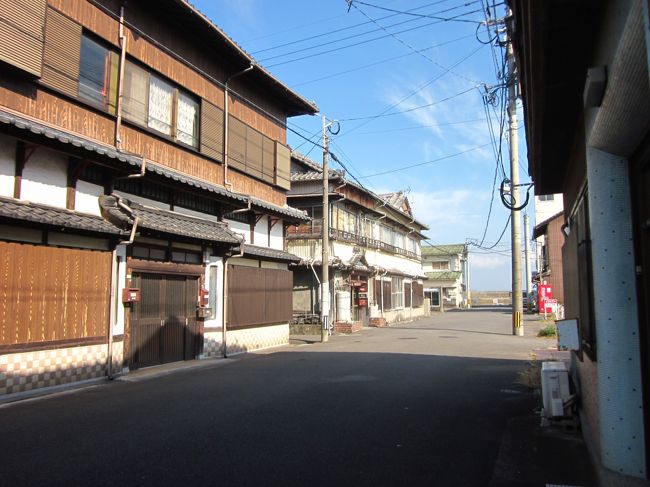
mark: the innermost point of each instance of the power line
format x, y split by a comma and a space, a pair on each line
406, 44
373, 117
443, 19
309, 56
370, 65
450, 156
415, 127
417, 90
349, 27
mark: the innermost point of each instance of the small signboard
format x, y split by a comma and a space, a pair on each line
568, 337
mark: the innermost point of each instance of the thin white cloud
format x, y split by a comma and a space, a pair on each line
481, 261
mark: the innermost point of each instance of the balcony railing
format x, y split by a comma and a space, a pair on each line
314, 229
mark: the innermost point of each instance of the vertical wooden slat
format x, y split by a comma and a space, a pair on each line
282, 166
61, 53
211, 130
259, 296
52, 293
236, 143
21, 34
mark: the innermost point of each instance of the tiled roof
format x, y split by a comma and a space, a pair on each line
267, 253
396, 200
442, 275
443, 249
55, 217
67, 138
306, 176
191, 181
285, 211
167, 222
296, 215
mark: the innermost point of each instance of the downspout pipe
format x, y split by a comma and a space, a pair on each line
226, 182
113, 312
224, 307
120, 81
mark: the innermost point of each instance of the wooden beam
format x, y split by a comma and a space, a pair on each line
23, 154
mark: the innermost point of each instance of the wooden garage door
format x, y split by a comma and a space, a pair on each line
51, 294
163, 324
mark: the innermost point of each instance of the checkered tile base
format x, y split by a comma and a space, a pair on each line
240, 341
212, 344
21, 372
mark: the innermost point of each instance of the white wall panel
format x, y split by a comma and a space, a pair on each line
45, 178
277, 242
86, 198
7, 165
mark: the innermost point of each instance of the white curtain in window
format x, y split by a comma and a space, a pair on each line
187, 120
160, 106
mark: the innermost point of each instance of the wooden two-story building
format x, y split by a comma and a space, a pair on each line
375, 241
143, 179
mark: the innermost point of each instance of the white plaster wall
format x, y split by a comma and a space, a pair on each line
217, 291
262, 232
546, 209
390, 261
273, 265
86, 198
45, 178
277, 242
342, 250
240, 228
7, 165
243, 262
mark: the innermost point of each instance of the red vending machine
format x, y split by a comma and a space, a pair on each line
544, 292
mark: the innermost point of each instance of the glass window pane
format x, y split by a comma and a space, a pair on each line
157, 254
161, 95
140, 252
178, 256
136, 87
192, 258
187, 120
93, 69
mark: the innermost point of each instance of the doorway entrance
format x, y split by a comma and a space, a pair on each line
163, 323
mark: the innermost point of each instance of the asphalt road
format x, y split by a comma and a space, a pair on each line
425, 403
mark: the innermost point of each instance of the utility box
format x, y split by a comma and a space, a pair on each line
555, 388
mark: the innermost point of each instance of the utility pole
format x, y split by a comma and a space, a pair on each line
527, 254
467, 288
325, 232
515, 221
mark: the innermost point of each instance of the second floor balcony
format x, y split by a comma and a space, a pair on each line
313, 230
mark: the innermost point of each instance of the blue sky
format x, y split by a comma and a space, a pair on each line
419, 77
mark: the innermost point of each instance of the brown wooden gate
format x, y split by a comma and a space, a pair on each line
163, 324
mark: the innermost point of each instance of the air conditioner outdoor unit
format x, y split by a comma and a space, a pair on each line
555, 388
